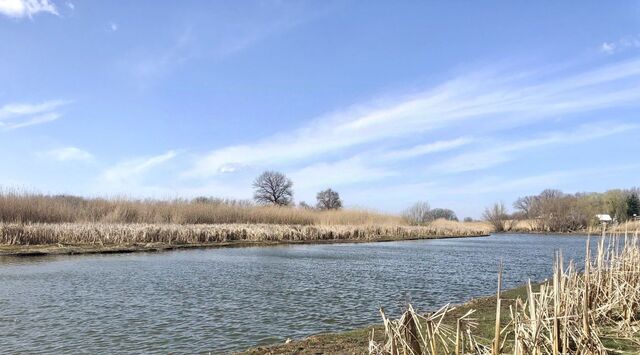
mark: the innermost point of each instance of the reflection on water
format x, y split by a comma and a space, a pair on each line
222, 300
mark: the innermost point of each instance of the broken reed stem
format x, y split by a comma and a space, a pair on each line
567, 315
496, 338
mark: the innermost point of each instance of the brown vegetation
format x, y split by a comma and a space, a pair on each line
19, 207
571, 314
173, 234
555, 211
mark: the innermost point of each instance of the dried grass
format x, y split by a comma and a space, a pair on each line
568, 315
122, 234
24, 207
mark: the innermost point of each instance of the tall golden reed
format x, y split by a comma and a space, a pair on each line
568, 315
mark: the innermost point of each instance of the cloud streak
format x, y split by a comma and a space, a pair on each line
492, 100
135, 168
20, 115
506, 151
67, 154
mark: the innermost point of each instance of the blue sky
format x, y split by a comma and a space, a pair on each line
457, 103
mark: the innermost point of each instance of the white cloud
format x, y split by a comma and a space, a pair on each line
146, 65
67, 154
627, 42
19, 109
489, 99
608, 48
20, 115
505, 151
428, 148
113, 26
70, 5
338, 173
136, 168
26, 8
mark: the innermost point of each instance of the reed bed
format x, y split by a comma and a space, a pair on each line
123, 234
570, 314
24, 207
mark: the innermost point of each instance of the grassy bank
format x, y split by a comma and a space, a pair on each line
357, 341
72, 238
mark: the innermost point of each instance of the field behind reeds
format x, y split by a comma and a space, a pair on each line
21, 207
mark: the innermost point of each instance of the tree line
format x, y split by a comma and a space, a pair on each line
556, 211
422, 213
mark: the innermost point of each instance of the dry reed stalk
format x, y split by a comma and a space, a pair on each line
496, 337
567, 315
126, 234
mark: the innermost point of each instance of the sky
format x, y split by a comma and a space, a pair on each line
457, 103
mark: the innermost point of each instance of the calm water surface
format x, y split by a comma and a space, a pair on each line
224, 300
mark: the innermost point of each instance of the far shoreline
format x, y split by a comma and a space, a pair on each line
88, 249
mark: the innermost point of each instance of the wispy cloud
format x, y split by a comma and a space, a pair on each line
136, 168
26, 8
147, 65
428, 148
346, 171
113, 27
501, 152
67, 154
20, 115
490, 99
628, 42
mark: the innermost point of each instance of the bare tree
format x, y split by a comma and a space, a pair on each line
328, 200
496, 215
527, 205
419, 213
274, 188
305, 206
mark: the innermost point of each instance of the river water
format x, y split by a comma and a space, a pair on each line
225, 300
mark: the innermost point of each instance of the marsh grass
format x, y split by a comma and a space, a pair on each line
24, 207
585, 312
35, 219
176, 234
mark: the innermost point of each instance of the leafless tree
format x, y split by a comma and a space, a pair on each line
328, 200
305, 206
274, 188
527, 205
419, 213
497, 216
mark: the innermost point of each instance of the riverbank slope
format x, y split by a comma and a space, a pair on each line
357, 341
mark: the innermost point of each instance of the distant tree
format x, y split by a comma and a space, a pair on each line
419, 213
468, 219
273, 188
305, 206
527, 205
496, 215
328, 200
443, 213
616, 202
633, 205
